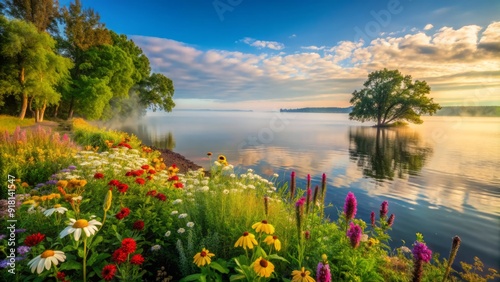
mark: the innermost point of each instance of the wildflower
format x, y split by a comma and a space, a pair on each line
45, 260
57, 208
350, 206
107, 200
22, 250
114, 182
137, 259
246, 240
183, 215
307, 234
354, 233
421, 255
178, 185
384, 209
263, 268
263, 226
405, 249
128, 245
61, 276
174, 212
454, 249
119, 256
108, 272
77, 226
140, 181
155, 248
124, 212
145, 166
138, 225
151, 193
190, 224
373, 242
203, 257
222, 160
62, 183
273, 240
122, 187
161, 197
167, 234
34, 239
98, 175
372, 218
178, 201
292, 185
323, 270
390, 221
151, 171
302, 276
300, 202
181, 230
173, 178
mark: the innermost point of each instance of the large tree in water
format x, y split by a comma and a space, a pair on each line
388, 96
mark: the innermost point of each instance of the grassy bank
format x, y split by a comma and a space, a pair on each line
111, 210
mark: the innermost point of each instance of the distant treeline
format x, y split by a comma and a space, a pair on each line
480, 111
319, 110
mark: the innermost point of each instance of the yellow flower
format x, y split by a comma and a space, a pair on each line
45, 260
246, 240
62, 183
209, 154
24, 184
373, 242
203, 257
270, 240
44, 198
302, 276
263, 267
263, 226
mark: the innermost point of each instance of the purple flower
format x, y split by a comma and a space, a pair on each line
350, 206
300, 202
39, 185
323, 273
2, 236
354, 233
65, 170
20, 230
71, 167
51, 182
372, 218
22, 250
384, 209
421, 252
390, 221
4, 263
292, 185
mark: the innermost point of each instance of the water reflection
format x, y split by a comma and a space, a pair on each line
387, 153
151, 137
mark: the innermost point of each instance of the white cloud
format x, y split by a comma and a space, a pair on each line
263, 44
292, 36
428, 26
451, 60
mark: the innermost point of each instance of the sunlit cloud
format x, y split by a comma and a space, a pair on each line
456, 62
428, 26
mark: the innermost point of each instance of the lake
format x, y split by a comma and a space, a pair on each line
440, 178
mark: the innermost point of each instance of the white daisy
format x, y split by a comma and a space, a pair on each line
155, 248
190, 224
46, 259
77, 226
178, 201
167, 233
174, 212
181, 230
183, 215
56, 208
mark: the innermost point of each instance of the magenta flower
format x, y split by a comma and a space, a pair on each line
323, 272
292, 185
421, 252
372, 219
354, 233
350, 206
300, 202
384, 209
390, 221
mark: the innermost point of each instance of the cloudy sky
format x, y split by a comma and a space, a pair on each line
253, 54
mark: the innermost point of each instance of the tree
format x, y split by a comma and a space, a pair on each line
30, 68
42, 13
389, 96
156, 92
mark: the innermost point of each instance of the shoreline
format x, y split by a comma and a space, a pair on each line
170, 157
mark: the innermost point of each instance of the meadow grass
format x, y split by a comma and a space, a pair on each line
9, 123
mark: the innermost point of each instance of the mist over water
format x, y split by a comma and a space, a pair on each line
440, 178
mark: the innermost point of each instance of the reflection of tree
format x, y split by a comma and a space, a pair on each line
384, 153
151, 137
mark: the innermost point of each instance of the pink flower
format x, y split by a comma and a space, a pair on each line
350, 206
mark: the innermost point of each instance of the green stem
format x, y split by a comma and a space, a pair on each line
85, 259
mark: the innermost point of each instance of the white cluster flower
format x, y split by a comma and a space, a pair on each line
183, 215
225, 191
155, 248
174, 212
181, 230
204, 182
167, 234
275, 175
190, 224
251, 186
204, 189
232, 175
178, 201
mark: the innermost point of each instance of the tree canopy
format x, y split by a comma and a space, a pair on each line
388, 97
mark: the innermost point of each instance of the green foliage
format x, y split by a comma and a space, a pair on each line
389, 96
156, 92
10, 123
41, 13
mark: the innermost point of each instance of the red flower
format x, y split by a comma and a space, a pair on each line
138, 172
161, 197
151, 171
61, 276
137, 259
114, 182
120, 256
149, 177
98, 175
173, 178
145, 166
129, 173
140, 181
178, 185
128, 245
138, 225
122, 213
34, 239
123, 144
108, 272
151, 193
122, 187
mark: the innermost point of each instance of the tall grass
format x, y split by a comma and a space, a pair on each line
9, 123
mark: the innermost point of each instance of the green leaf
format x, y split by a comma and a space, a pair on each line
237, 277
96, 241
97, 258
71, 265
277, 257
219, 267
192, 277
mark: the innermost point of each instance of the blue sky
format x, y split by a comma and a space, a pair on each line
242, 54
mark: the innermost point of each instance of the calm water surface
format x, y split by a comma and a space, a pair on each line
441, 178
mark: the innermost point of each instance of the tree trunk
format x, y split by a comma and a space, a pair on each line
71, 105
24, 106
33, 113
56, 110
42, 111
